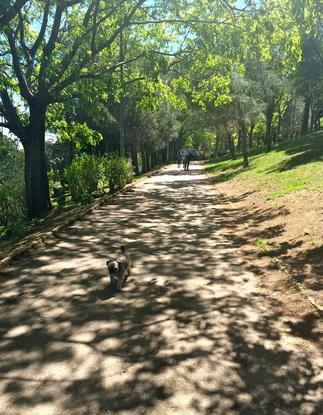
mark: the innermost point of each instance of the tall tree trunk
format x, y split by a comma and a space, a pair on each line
122, 126
167, 152
306, 113
279, 126
148, 160
122, 98
134, 156
239, 142
252, 127
153, 159
312, 111
144, 161
36, 180
317, 122
217, 143
269, 119
230, 143
244, 146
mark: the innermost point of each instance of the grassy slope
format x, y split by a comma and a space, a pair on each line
289, 167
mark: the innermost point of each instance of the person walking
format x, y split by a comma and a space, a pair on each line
187, 158
179, 158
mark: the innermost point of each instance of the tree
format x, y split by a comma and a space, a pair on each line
8, 10
11, 181
72, 45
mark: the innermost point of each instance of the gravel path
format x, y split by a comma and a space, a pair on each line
189, 334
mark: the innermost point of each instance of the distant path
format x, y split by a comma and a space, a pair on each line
190, 333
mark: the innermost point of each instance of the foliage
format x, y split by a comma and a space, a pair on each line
12, 195
262, 245
83, 176
117, 171
17, 227
88, 173
124, 75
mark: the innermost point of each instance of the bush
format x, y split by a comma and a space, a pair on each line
117, 171
12, 189
12, 201
16, 228
83, 176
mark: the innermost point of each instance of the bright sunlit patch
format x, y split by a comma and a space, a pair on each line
18, 331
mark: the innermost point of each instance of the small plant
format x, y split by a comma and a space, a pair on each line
59, 196
83, 176
117, 171
262, 245
311, 238
16, 228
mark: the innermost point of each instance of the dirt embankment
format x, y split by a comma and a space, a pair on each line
281, 240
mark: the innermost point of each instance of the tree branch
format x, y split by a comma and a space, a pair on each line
23, 85
125, 23
69, 57
22, 36
76, 76
6, 15
48, 49
189, 21
42, 31
10, 114
131, 81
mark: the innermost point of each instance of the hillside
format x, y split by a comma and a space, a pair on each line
274, 216
289, 167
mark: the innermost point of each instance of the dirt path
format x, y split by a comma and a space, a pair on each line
190, 333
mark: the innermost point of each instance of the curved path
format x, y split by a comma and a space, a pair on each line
190, 333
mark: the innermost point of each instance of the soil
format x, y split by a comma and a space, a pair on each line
281, 240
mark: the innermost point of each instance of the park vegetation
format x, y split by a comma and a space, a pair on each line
95, 91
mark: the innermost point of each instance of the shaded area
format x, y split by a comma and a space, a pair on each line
281, 258
303, 151
189, 334
300, 152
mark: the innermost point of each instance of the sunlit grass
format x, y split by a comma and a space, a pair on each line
289, 167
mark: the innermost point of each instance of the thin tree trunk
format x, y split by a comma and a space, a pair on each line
269, 119
244, 146
279, 126
153, 159
317, 122
167, 152
312, 111
122, 98
306, 113
217, 143
239, 142
148, 159
144, 161
252, 127
230, 143
134, 156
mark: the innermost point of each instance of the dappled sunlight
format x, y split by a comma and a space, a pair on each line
189, 334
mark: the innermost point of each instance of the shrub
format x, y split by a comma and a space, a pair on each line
12, 190
16, 228
83, 176
117, 171
12, 201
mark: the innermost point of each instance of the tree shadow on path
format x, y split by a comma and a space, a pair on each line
189, 334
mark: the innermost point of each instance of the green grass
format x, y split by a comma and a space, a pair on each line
289, 167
